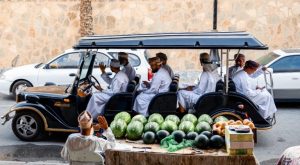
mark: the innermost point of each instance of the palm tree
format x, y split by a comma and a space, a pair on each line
86, 18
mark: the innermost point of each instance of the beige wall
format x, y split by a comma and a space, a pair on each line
38, 30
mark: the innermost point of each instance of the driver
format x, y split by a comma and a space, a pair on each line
117, 84
245, 84
188, 96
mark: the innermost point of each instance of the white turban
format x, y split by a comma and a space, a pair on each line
115, 63
85, 120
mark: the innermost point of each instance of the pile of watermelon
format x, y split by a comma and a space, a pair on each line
156, 128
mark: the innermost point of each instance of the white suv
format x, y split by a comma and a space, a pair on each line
57, 70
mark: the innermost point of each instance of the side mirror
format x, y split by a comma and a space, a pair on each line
72, 74
53, 66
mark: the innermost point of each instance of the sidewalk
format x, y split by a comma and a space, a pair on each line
32, 163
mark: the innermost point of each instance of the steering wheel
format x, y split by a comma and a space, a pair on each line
92, 81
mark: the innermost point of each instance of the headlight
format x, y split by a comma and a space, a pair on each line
2, 77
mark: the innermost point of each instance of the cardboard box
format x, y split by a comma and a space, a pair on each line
233, 136
248, 151
238, 143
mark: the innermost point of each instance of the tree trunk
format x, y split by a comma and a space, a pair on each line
86, 18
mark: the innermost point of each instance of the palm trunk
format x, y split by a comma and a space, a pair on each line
86, 18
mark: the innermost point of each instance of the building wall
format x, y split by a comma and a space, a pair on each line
38, 30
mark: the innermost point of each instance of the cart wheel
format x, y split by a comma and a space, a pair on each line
27, 126
228, 115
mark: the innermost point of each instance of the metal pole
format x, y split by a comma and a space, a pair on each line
215, 15
227, 71
221, 64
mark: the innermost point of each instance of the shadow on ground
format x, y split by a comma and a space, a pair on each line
32, 152
269, 162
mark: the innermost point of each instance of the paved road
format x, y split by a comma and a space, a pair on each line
271, 143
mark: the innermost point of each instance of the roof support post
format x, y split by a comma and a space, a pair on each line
227, 71
215, 16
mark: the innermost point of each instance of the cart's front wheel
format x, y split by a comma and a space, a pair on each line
27, 126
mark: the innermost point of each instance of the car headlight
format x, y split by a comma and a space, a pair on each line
2, 77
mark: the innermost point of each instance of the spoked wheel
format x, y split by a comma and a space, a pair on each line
228, 115
27, 126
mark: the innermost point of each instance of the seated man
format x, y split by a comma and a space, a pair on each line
240, 63
127, 68
259, 95
117, 84
159, 83
163, 58
188, 97
85, 143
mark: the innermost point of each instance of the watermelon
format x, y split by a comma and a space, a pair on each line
169, 125
216, 141
124, 116
186, 126
207, 133
151, 126
118, 128
191, 135
206, 118
201, 141
140, 118
220, 118
161, 134
155, 117
173, 118
178, 136
190, 117
149, 137
134, 130
202, 126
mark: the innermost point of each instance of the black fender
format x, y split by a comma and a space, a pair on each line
163, 103
50, 120
218, 102
117, 103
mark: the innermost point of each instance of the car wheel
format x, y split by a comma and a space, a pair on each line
19, 86
28, 126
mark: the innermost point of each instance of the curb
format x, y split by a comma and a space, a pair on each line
32, 163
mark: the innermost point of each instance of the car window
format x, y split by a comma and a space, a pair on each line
133, 59
67, 61
266, 59
287, 64
101, 58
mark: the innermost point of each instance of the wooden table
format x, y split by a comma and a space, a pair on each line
159, 156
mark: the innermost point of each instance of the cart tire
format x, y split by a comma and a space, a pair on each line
28, 126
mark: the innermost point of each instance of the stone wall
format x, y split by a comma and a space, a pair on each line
38, 30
